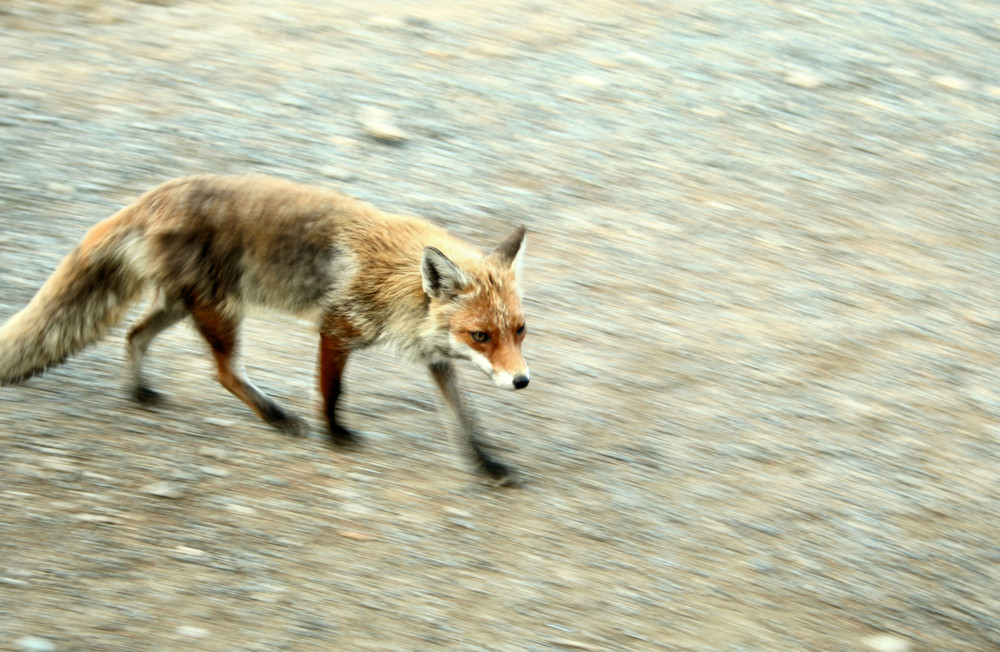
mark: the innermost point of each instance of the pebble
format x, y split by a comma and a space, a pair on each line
292, 100
386, 22
460, 518
243, 510
457, 512
187, 553
592, 81
637, 58
381, 125
222, 423
60, 188
163, 490
34, 644
572, 645
190, 631
887, 643
356, 536
803, 79
104, 519
951, 83
215, 471
213, 451
339, 174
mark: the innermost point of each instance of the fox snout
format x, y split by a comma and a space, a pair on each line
507, 380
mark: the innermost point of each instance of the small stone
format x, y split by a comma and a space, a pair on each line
190, 631
224, 105
104, 519
261, 596
145, 126
457, 512
951, 83
356, 536
600, 62
292, 100
460, 518
709, 112
340, 174
163, 490
887, 643
222, 423
386, 22
60, 188
212, 451
803, 79
34, 644
380, 125
572, 645
592, 81
637, 58
244, 510
437, 53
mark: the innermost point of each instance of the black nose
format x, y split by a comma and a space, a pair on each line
520, 382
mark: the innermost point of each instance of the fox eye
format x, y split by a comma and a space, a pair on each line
479, 336
520, 330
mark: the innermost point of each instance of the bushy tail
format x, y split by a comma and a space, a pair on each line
88, 293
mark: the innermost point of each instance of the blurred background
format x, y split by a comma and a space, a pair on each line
761, 287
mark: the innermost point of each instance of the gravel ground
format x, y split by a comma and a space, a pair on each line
762, 294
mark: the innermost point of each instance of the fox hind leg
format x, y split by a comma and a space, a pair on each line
221, 331
160, 317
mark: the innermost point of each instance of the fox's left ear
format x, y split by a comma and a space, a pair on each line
442, 279
510, 252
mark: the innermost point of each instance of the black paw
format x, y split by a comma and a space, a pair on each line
500, 474
147, 395
284, 421
341, 436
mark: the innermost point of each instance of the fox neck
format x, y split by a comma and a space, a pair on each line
434, 340
417, 331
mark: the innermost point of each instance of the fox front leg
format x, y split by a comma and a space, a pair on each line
334, 349
332, 360
444, 376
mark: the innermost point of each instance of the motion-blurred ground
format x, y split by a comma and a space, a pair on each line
762, 289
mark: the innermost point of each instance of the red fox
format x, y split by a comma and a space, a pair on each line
213, 246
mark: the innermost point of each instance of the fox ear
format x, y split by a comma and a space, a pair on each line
442, 278
510, 252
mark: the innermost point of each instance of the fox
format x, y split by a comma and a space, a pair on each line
212, 247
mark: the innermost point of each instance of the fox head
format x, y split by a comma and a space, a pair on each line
481, 301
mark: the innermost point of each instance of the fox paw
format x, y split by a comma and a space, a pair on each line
291, 425
284, 421
341, 436
500, 474
147, 395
